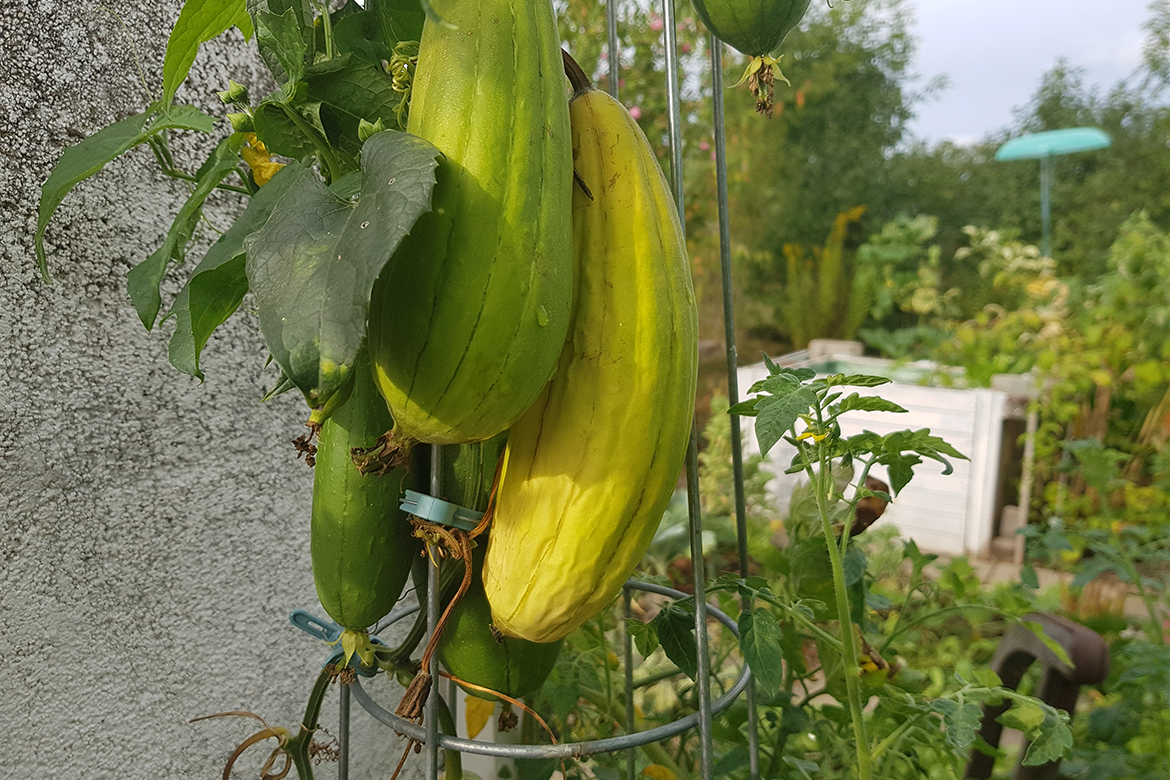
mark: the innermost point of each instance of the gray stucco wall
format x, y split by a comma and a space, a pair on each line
153, 530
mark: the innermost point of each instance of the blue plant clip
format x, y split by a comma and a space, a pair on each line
439, 511
329, 632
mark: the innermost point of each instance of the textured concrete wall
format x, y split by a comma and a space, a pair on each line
153, 530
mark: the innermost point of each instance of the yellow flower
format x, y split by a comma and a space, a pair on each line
809, 434
256, 155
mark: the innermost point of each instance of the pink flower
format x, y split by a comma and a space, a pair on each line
636, 113
686, 48
704, 146
656, 24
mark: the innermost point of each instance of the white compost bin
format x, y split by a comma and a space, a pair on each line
952, 514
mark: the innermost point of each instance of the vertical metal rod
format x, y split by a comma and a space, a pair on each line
628, 643
612, 54
1046, 204
732, 369
672, 105
431, 716
343, 735
702, 676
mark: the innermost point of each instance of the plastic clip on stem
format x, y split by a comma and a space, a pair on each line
329, 632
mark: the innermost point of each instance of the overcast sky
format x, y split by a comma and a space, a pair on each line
995, 51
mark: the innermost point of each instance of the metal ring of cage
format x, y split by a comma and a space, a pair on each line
565, 749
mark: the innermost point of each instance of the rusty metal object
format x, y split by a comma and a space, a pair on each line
1059, 683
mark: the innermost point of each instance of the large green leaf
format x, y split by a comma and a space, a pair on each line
281, 45
402, 20
281, 132
219, 282
83, 160
313, 264
776, 414
676, 633
144, 279
199, 22
354, 91
760, 641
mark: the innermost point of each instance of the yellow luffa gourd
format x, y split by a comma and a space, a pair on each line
589, 469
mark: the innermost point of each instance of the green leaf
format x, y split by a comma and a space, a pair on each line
645, 636
401, 20
283, 48
961, 721
1023, 716
806, 768
918, 559
676, 632
900, 468
1028, 577
1093, 568
744, 408
1047, 641
1054, 740
313, 264
219, 282
855, 380
777, 414
279, 132
855, 565
870, 403
760, 641
199, 22
84, 159
357, 91
144, 279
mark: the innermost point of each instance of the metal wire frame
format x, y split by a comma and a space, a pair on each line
564, 749
428, 733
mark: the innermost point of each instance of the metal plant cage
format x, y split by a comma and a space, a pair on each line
427, 734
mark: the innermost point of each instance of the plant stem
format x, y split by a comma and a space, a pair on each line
323, 150
298, 746
453, 758
823, 479
327, 27
654, 751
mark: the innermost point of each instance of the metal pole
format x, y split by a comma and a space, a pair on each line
732, 366
702, 676
431, 716
343, 736
628, 641
612, 54
1033, 425
1046, 204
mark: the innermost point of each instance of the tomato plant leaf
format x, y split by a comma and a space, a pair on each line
806, 768
218, 284
961, 721
645, 635
855, 380
676, 632
1025, 716
855, 565
1056, 648
868, 403
760, 640
198, 22
1028, 576
144, 279
776, 415
84, 159
313, 264
1052, 740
